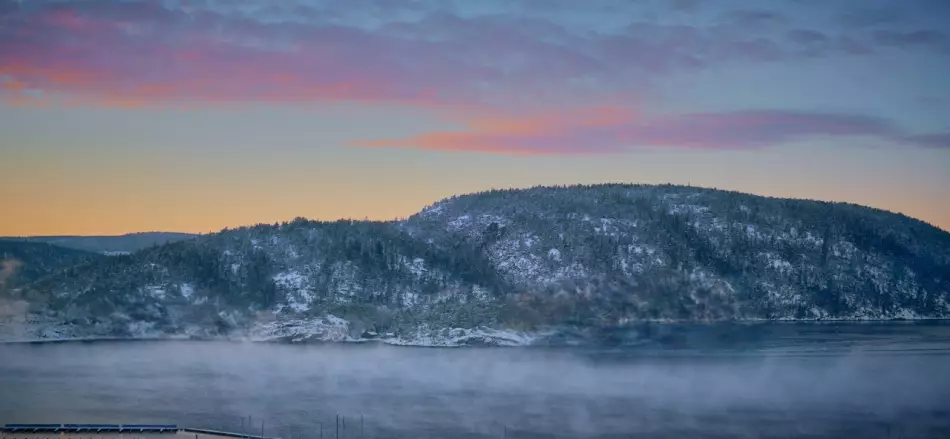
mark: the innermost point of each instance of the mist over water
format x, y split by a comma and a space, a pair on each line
813, 381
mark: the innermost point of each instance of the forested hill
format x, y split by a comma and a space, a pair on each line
22, 263
523, 261
117, 244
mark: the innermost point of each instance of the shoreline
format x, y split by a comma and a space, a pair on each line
397, 342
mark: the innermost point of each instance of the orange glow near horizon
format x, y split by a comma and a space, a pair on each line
118, 196
64, 218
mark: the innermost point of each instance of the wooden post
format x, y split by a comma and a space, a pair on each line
361, 426
337, 426
505, 434
262, 429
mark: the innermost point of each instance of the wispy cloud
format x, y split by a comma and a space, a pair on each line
938, 140
379, 50
520, 56
616, 130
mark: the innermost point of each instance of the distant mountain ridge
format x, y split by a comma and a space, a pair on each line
116, 244
539, 265
22, 263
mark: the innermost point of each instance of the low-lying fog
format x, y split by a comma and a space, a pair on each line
481, 392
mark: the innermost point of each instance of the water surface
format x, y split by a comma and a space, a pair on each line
724, 381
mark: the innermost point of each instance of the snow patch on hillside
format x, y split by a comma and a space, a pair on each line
433, 210
775, 262
298, 291
327, 328
474, 226
409, 299
843, 249
459, 223
417, 267
156, 291
290, 280
481, 293
453, 337
186, 290
334, 329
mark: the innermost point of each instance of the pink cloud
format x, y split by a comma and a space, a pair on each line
221, 53
617, 130
143, 51
565, 90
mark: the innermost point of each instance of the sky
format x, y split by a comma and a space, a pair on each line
126, 116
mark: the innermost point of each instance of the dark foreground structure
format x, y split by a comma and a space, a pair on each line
89, 428
113, 431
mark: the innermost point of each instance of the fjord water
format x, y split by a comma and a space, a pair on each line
764, 380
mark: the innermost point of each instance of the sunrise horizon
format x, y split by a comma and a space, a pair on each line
133, 231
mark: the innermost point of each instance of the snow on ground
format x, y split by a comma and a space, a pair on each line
452, 337
613, 226
291, 280
572, 271
417, 267
843, 249
433, 210
155, 291
511, 257
474, 226
682, 209
459, 223
297, 290
409, 299
187, 290
334, 329
529, 240
753, 232
480, 292
327, 328
775, 262
813, 240
629, 267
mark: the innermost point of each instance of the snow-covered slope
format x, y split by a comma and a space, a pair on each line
503, 267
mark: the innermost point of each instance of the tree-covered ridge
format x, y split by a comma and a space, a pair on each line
580, 257
841, 257
128, 243
22, 263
